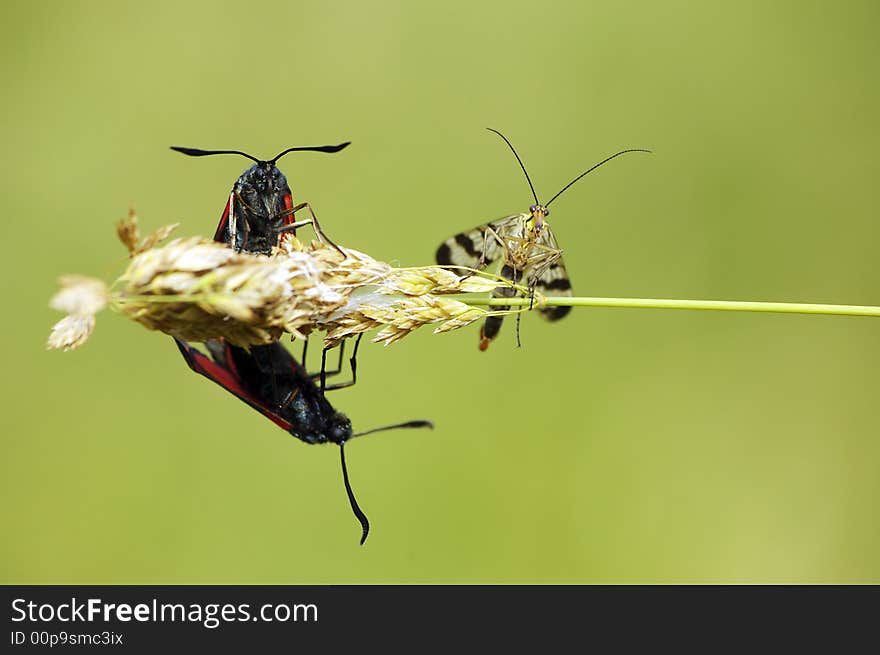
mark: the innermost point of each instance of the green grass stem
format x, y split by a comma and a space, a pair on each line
670, 303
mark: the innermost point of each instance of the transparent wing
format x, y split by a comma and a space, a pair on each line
479, 247
552, 278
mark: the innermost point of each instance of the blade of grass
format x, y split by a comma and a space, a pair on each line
671, 303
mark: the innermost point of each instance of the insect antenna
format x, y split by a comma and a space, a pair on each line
358, 512
195, 152
408, 424
336, 148
592, 168
521, 165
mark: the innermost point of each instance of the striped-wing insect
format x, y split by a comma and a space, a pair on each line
271, 381
526, 246
260, 208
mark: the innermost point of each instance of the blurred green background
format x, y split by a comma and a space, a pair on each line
614, 446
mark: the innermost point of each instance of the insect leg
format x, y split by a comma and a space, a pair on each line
338, 368
481, 263
518, 318
492, 324
498, 239
546, 259
352, 363
324, 372
313, 221
289, 399
238, 242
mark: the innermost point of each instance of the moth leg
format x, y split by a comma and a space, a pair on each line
352, 364
338, 368
233, 225
289, 399
313, 221
324, 372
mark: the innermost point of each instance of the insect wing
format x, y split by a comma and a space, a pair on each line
222, 233
225, 374
553, 280
476, 248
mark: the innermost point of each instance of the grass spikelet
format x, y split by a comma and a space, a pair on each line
80, 298
195, 289
129, 234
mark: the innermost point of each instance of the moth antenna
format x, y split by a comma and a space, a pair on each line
365, 524
521, 165
408, 424
336, 148
592, 168
358, 512
195, 152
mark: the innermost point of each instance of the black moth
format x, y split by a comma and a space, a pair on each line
271, 381
260, 206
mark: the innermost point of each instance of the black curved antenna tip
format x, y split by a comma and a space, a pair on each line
419, 424
422, 423
521, 165
594, 167
192, 152
198, 152
358, 512
335, 148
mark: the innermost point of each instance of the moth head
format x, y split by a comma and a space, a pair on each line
262, 185
262, 180
338, 428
